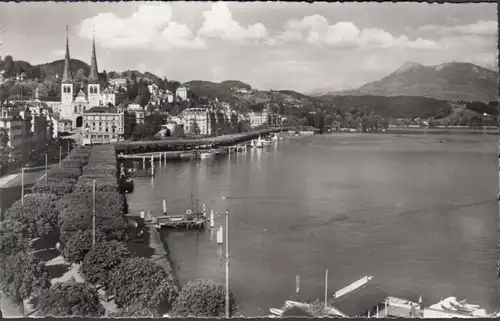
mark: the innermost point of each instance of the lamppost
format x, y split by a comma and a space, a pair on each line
484, 123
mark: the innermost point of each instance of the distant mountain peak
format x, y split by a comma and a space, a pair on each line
408, 66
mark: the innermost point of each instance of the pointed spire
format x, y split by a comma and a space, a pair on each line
67, 77
94, 75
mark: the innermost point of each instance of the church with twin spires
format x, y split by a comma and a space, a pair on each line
74, 104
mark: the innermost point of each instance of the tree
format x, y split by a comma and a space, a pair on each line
9, 67
58, 188
14, 238
71, 298
148, 281
134, 312
202, 298
99, 261
78, 244
4, 137
76, 211
21, 276
38, 214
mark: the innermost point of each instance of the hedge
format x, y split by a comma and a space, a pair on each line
85, 185
76, 210
73, 163
38, 214
58, 188
101, 171
57, 173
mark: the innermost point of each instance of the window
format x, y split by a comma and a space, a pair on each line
75, 110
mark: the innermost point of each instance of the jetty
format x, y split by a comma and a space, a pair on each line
189, 221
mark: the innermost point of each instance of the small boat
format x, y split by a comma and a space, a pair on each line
188, 155
207, 154
276, 312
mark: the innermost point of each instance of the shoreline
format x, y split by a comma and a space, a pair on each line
163, 255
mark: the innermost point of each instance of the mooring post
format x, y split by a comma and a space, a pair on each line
164, 207
144, 162
159, 158
142, 213
220, 233
212, 219
149, 215
204, 210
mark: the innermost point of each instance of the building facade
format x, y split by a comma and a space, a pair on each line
13, 125
181, 93
73, 104
102, 125
196, 121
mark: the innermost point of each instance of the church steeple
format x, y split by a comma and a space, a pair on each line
67, 77
94, 75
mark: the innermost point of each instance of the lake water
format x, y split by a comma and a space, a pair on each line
417, 212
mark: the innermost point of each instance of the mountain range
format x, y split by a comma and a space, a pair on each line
413, 90
449, 81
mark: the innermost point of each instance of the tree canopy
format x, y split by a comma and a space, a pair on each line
202, 298
78, 244
13, 238
99, 261
22, 275
149, 282
71, 298
39, 214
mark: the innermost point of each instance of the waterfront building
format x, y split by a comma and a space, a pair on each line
102, 125
258, 119
138, 112
197, 121
74, 104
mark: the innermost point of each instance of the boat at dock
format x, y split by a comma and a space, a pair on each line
188, 220
207, 154
260, 143
187, 155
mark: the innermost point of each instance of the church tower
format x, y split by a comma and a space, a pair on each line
93, 92
67, 80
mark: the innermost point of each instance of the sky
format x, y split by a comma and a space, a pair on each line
269, 45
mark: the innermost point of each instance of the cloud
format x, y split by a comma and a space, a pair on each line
219, 23
317, 31
480, 28
58, 52
150, 27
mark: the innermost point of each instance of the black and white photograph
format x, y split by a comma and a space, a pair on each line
249, 159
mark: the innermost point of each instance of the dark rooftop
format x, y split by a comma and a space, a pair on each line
359, 301
102, 110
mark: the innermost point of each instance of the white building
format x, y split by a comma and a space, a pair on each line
181, 92
258, 119
117, 83
13, 124
196, 121
102, 125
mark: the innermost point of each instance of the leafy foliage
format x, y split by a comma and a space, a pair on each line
78, 244
76, 211
22, 275
58, 174
202, 298
4, 134
71, 299
13, 238
39, 214
58, 188
106, 184
99, 261
73, 163
148, 281
134, 312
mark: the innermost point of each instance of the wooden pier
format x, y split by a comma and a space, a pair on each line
189, 221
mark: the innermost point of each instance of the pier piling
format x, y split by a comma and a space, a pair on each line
144, 162
220, 233
212, 219
164, 207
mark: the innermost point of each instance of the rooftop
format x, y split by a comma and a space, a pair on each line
102, 110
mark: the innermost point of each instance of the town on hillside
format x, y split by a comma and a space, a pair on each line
204, 160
